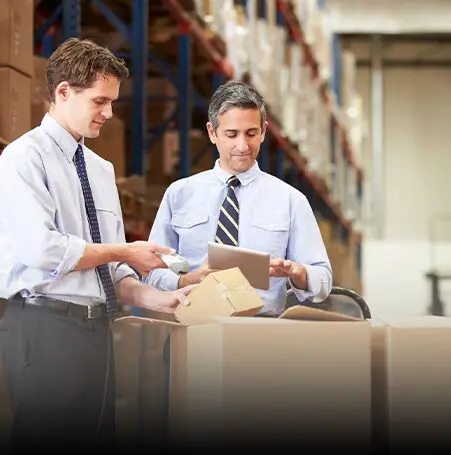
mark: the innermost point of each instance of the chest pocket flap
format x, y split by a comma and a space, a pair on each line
271, 223
188, 219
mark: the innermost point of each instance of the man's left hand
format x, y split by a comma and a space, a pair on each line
168, 301
284, 268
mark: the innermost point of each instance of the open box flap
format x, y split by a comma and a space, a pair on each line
303, 312
143, 320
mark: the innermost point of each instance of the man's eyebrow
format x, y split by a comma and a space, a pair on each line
103, 98
231, 130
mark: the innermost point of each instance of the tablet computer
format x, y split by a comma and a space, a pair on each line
254, 265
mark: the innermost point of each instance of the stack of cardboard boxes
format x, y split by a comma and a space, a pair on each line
308, 378
16, 67
342, 256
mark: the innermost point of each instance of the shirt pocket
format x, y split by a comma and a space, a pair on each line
108, 224
270, 234
192, 229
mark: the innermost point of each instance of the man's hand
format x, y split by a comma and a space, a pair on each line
168, 301
195, 277
132, 292
141, 256
285, 268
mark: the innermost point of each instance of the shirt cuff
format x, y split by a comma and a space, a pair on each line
75, 249
312, 285
164, 280
123, 270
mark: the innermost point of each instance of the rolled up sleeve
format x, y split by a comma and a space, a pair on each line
122, 270
306, 247
163, 234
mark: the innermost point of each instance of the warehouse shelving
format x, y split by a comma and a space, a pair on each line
67, 16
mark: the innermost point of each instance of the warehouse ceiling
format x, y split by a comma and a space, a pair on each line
413, 33
390, 16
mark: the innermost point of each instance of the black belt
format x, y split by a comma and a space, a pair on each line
71, 309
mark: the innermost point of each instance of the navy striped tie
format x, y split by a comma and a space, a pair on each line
227, 232
103, 270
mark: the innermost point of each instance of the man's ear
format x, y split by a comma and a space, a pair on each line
265, 126
211, 133
62, 91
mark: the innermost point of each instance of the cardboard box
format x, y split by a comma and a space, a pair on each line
141, 383
110, 145
411, 371
222, 293
16, 35
40, 98
237, 379
15, 102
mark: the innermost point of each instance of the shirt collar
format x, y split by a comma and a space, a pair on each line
61, 136
244, 177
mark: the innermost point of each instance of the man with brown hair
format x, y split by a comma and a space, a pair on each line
65, 264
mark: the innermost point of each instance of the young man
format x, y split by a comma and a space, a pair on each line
237, 203
64, 261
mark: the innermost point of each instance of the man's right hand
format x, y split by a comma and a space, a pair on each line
194, 277
141, 256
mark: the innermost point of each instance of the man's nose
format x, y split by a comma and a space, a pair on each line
242, 145
107, 111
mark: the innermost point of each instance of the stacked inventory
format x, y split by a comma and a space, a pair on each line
286, 50
16, 51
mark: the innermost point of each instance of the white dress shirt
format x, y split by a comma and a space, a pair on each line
44, 227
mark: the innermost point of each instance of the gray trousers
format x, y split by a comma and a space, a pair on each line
59, 373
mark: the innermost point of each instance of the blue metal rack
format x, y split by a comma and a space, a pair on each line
68, 16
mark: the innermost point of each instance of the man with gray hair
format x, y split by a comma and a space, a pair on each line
238, 204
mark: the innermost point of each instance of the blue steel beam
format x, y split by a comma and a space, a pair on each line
280, 163
165, 70
48, 45
158, 130
113, 20
71, 18
161, 66
263, 155
336, 79
218, 80
45, 27
140, 21
185, 98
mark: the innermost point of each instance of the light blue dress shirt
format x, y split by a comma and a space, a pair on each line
44, 228
274, 217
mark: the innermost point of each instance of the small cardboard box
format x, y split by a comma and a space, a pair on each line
221, 293
236, 378
411, 376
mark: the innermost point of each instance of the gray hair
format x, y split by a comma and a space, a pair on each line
235, 94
